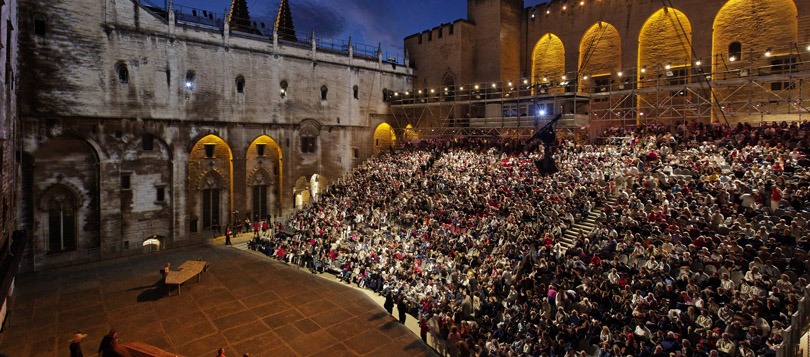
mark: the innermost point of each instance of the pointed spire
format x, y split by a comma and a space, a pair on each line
284, 22
239, 18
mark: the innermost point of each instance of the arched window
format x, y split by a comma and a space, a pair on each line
191, 80
734, 51
123, 73
283, 86
355, 91
61, 204
240, 84
324, 92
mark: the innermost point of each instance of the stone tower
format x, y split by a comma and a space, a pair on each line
497, 36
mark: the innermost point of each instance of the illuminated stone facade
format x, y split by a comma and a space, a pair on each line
144, 129
636, 60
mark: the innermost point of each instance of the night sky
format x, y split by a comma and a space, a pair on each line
368, 22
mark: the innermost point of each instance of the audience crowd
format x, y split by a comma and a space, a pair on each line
698, 248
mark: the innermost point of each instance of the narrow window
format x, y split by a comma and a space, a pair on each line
123, 73
283, 86
191, 80
40, 22
209, 150
260, 149
240, 84
148, 142
420, 38
126, 245
355, 91
356, 153
61, 228
735, 51
308, 144
192, 226
430, 35
440, 32
210, 207
450, 30
168, 77
260, 200
160, 194
324, 92
126, 181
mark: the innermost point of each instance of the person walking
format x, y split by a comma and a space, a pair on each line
402, 308
389, 303
228, 235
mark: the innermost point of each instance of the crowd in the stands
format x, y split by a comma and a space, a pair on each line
698, 247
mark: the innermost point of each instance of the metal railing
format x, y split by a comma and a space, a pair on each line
263, 28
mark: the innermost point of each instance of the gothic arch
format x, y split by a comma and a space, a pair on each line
757, 26
384, 138
548, 59
263, 183
600, 51
665, 40
210, 186
62, 193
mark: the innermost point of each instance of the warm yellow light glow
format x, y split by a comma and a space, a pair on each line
564, 77
697, 63
545, 79
644, 69
732, 59
396, 94
581, 3
407, 93
461, 88
476, 86
619, 73
667, 66
446, 89
585, 77
420, 91
768, 53
525, 81
565, 7
548, 12
510, 83
432, 91
494, 85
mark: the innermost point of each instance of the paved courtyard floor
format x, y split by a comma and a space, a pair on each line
245, 303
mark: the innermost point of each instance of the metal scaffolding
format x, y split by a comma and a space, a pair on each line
761, 87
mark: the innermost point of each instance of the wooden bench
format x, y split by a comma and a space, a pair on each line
186, 271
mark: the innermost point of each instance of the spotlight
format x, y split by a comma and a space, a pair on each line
461, 88
581, 3
541, 112
697, 63
189, 84
525, 81
549, 11
545, 79
432, 91
643, 69
667, 66
396, 94
494, 85
446, 89
476, 86
619, 73
510, 83
808, 47
420, 91
532, 14
732, 58
564, 77
565, 7
585, 77
641, 114
768, 52
407, 93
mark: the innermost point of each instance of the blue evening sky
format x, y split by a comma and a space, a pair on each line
368, 22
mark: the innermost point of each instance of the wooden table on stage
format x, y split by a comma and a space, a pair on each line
186, 271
